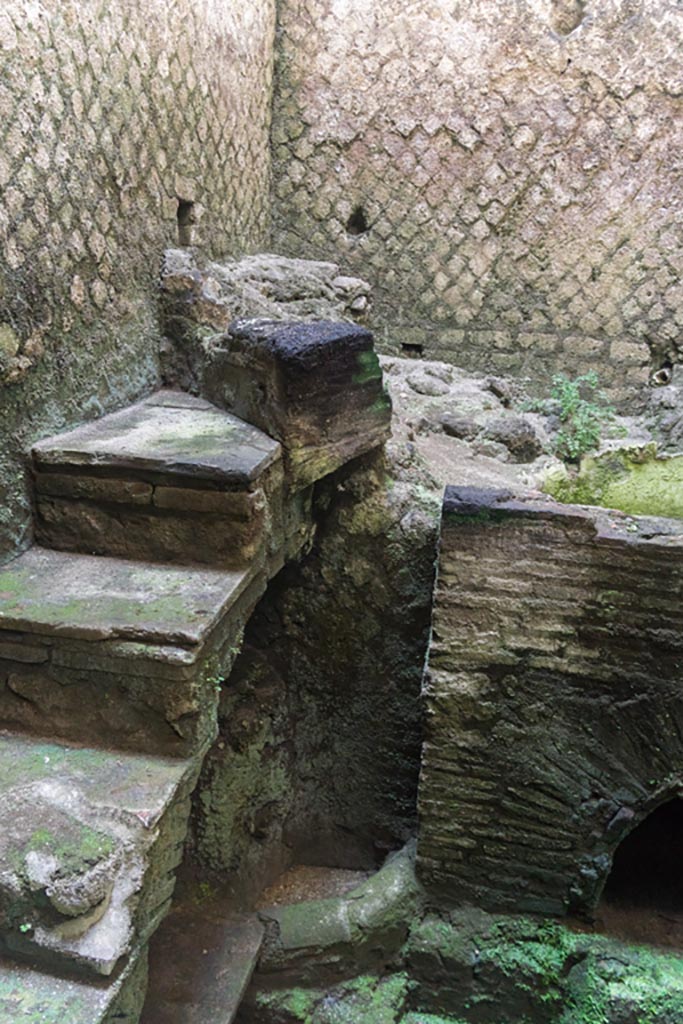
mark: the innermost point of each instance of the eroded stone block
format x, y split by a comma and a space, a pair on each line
125, 653
316, 387
171, 479
89, 844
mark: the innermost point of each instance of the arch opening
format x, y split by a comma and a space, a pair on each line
643, 895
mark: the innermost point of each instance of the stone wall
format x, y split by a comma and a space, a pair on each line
516, 166
110, 114
554, 715
320, 722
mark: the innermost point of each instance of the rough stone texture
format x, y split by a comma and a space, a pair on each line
171, 479
118, 652
109, 114
89, 844
28, 996
320, 730
200, 298
518, 436
201, 963
513, 163
474, 967
553, 698
309, 941
316, 387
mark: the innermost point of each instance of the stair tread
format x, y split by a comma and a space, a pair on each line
28, 994
201, 963
169, 433
138, 783
90, 597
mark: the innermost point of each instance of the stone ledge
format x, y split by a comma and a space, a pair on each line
86, 597
172, 434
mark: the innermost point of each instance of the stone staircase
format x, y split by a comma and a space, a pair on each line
158, 528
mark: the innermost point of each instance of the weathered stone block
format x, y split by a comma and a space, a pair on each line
128, 654
316, 387
171, 479
85, 870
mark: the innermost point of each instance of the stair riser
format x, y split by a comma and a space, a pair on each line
137, 519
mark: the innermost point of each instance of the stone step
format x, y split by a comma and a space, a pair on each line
201, 962
118, 652
89, 844
170, 479
29, 995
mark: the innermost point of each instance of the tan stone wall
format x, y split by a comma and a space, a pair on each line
518, 164
110, 112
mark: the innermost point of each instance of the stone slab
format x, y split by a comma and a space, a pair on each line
172, 434
100, 668
87, 597
31, 996
80, 833
201, 963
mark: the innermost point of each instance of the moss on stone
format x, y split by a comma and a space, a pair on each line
634, 480
363, 1000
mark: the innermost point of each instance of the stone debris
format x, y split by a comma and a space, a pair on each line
200, 299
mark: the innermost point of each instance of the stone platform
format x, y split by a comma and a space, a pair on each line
123, 652
169, 479
89, 844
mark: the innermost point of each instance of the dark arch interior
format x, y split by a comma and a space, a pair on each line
647, 871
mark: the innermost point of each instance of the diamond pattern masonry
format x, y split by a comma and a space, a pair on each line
108, 114
518, 166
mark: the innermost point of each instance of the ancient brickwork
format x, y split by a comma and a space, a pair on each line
505, 175
554, 715
111, 115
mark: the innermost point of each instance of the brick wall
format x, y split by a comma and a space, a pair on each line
554, 713
109, 114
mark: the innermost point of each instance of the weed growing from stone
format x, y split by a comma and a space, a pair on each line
583, 411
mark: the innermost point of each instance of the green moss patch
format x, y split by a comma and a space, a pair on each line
635, 480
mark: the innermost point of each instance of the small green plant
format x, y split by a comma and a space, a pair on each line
583, 411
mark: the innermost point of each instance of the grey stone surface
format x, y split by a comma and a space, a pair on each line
201, 962
29, 995
518, 435
171, 479
173, 435
315, 939
83, 597
121, 653
81, 874
460, 427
